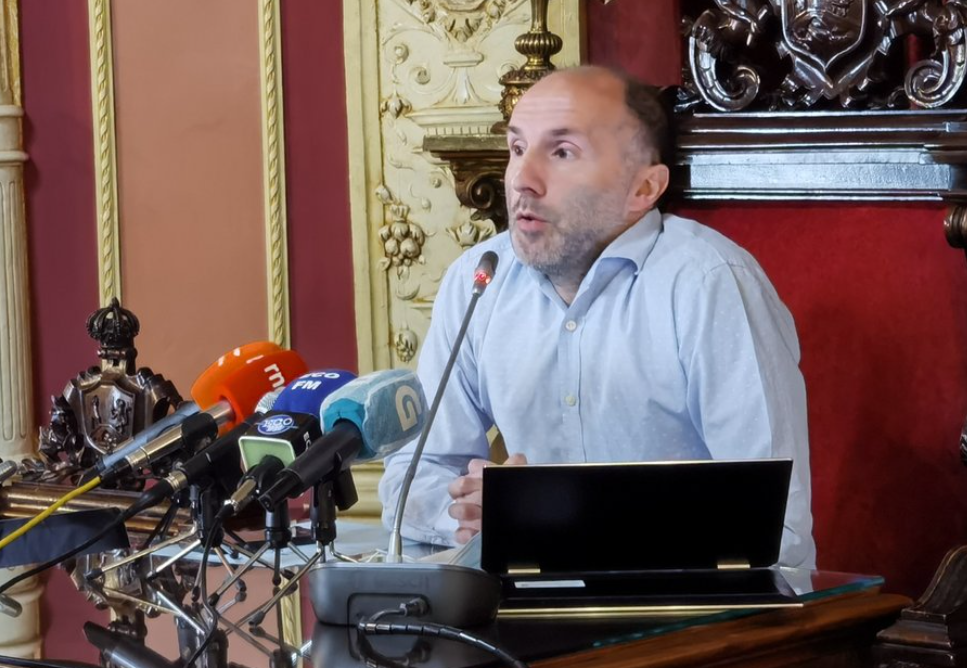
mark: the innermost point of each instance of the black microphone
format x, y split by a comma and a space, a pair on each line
365, 419
345, 593
222, 458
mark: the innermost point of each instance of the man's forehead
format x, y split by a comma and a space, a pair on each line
561, 112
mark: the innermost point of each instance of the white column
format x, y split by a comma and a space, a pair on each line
20, 636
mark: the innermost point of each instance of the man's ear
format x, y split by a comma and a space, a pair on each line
650, 184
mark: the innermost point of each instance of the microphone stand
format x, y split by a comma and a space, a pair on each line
205, 499
339, 492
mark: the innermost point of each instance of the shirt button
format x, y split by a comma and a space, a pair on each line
570, 400
570, 325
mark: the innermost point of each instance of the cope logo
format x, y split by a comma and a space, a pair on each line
275, 425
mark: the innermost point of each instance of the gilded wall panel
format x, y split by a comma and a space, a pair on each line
431, 67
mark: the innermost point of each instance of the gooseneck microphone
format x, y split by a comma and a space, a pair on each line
482, 276
347, 593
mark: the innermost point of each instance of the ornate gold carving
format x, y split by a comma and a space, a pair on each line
105, 155
10, 54
471, 232
406, 342
461, 19
402, 239
538, 44
273, 157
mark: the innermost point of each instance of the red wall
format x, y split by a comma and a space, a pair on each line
880, 303
320, 255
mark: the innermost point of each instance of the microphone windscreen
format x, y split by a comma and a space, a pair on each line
247, 385
388, 408
307, 392
206, 385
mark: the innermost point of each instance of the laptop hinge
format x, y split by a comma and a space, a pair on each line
733, 564
524, 569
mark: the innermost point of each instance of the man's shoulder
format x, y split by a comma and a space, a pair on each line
688, 244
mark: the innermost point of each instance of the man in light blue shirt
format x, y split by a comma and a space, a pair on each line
611, 332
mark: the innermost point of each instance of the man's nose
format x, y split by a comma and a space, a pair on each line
528, 175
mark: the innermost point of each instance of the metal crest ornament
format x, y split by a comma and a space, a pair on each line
104, 406
836, 52
823, 32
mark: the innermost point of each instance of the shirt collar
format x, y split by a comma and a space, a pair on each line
637, 241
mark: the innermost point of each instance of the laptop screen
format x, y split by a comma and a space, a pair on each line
579, 518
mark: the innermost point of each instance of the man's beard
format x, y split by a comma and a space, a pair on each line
571, 243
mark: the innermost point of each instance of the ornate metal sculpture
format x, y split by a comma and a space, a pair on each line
839, 51
104, 406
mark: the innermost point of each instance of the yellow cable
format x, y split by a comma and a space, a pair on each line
73, 494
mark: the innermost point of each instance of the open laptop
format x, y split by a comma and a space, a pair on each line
636, 538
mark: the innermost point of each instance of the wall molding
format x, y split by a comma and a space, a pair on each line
273, 156
105, 151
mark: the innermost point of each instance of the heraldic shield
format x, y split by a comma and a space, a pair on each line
823, 31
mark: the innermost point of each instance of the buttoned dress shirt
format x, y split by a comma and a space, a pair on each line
675, 347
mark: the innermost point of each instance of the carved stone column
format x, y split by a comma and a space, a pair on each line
18, 636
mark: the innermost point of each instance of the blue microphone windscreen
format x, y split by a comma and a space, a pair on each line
306, 393
388, 408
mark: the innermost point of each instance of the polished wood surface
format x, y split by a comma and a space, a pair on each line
837, 632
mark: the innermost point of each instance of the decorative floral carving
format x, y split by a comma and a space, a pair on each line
461, 19
402, 239
406, 343
471, 232
395, 106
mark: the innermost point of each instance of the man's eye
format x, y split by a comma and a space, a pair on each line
517, 149
563, 153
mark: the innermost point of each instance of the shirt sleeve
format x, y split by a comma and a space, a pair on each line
459, 430
746, 395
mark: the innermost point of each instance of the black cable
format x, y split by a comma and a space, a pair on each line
161, 528
203, 592
44, 663
121, 519
376, 658
418, 607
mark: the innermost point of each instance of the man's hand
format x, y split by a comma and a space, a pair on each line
467, 493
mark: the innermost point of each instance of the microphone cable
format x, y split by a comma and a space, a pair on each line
43, 663
416, 607
50, 510
125, 515
203, 592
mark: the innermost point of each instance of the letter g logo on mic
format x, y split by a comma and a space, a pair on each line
409, 406
388, 408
